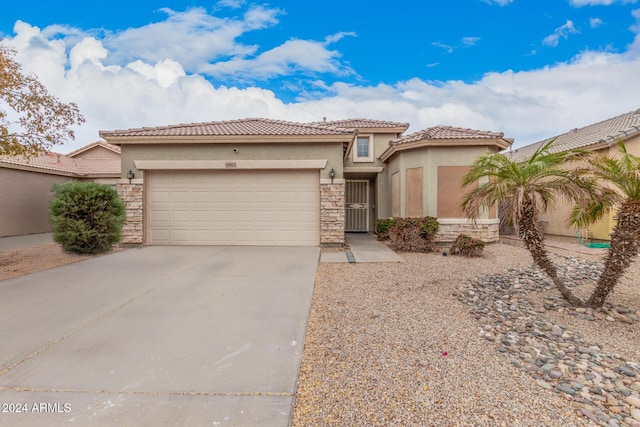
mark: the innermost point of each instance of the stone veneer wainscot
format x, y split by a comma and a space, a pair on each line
485, 229
131, 195
332, 196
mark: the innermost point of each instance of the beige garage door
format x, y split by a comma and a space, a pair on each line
234, 208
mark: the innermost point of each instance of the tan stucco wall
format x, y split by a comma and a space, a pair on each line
556, 219
380, 143
332, 152
429, 158
25, 201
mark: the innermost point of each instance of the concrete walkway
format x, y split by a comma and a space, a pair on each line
557, 243
365, 248
18, 242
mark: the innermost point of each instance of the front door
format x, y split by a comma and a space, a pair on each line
357, 206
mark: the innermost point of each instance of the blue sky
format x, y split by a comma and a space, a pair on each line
531, 69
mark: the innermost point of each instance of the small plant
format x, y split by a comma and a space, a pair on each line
429, 227
413, 234
467, 246
86, 217
383, 226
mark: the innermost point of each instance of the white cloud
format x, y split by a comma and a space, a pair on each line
192, 37
595, 22
580, 3
527, 105
562, 31
446, 47
232, 4
499, 2
470, 41
288, 58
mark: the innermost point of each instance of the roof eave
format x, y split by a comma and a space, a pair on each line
225, 139
500, 143
29, 168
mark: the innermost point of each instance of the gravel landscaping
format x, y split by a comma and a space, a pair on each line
448, 341
18, 262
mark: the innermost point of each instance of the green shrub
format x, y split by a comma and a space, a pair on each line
414, 234
467, 246
86, 217
383, 226
429, 227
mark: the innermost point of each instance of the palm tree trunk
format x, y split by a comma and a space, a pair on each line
534, 240
625, 244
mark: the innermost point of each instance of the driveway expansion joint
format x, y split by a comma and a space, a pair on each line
80, 328
150, 393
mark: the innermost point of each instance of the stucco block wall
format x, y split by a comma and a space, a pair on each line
429, 158
332, 152
380, 143
25, 199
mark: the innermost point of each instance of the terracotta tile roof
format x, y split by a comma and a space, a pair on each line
93, 167
242, 127
103, 144
449, 132
446, 136
362, 123
608, 131
61, 164
45, 162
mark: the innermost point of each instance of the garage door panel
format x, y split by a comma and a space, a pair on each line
180, 217
201, 197
234, 207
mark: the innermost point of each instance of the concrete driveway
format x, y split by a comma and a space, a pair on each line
157, 336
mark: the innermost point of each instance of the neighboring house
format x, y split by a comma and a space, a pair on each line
25, 184
268, 182
599, 137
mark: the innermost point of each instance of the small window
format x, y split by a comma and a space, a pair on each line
363, 150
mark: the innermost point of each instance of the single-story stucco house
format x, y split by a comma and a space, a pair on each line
25, 184
267, 182
602, 138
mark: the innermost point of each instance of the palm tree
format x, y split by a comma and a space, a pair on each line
525, 189
622, 173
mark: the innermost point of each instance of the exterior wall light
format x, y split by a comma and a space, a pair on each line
332, 174
130, 175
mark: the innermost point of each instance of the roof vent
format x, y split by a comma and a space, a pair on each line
324, 119
574, 130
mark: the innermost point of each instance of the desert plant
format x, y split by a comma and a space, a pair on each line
414, 234
383, 226
467, 246
86, 217
524, 190
623, 173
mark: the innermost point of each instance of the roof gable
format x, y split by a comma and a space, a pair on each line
448, 136
365, 124
98, 146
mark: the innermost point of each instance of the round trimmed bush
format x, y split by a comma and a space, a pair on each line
86, 217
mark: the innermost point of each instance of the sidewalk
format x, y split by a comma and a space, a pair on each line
551, 242
365, 248
18, 242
